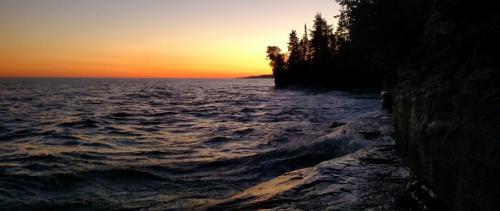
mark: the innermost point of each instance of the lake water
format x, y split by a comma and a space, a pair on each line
154, 143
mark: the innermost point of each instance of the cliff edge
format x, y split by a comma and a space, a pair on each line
447, 105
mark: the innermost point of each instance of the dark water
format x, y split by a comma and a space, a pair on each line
155, 144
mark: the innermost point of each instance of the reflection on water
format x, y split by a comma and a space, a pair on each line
103, 143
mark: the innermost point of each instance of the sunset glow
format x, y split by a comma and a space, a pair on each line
127, 38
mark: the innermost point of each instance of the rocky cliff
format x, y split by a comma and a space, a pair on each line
447, 105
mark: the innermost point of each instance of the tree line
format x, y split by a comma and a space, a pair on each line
362, 51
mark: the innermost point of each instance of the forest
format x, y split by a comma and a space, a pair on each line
438, 60
370, 40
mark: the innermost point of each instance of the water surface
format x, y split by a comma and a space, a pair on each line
155, 143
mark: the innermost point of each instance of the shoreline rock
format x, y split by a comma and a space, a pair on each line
446, 105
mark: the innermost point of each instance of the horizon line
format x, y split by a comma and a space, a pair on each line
76, 77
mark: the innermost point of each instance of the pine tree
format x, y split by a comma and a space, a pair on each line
304, 47
294, 58
320, 42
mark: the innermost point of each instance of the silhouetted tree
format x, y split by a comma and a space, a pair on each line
304, 46
278, 63
333, 44
371, 37
294, 57
379, 32
320, 42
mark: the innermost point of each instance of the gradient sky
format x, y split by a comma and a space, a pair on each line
147, 38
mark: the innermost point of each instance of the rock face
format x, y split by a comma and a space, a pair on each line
447, 105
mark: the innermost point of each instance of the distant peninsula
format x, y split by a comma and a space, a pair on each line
257, 77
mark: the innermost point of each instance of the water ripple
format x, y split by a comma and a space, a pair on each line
161, 144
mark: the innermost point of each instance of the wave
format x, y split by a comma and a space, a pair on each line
244, 131
217, 141
121, 115
80, 124
351, 182
162, 144
302, 151
343, 170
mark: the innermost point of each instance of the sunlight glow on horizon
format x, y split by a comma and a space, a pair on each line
148, 39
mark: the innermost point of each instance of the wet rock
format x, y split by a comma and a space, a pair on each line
419, 196
387, 101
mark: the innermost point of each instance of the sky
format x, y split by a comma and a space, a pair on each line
148, 38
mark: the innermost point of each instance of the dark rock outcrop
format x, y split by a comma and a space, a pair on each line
387, 101
447, 105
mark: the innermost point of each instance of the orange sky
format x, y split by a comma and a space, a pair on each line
151, 38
